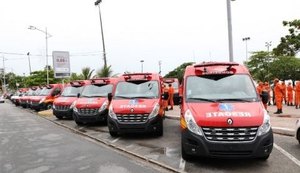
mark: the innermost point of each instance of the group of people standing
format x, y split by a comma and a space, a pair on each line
282, 93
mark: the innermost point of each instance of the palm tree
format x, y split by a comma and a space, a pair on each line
104, 72
87, 72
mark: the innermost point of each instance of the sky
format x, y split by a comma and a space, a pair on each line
169, 31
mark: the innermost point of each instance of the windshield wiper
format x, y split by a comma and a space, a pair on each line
202, 99
235, 100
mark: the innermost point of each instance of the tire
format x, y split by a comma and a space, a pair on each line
113, 134
160, 130
184, 155
264, 158
48, 106
59, 117
298, 135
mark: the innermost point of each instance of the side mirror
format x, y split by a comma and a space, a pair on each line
109, 97
78, 95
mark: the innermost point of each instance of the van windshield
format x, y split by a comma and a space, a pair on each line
71, 91
45, 91
96, 90
137, 89
218, 88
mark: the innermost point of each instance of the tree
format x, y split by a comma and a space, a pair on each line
178, 72
259, 66
104, 72
286, 67
290, 44
87, 73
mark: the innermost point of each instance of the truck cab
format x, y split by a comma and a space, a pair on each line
136, 105
45, 99
222, 115
92, 104
62, 104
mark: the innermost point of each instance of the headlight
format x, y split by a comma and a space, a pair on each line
111, 112
154, 112
266, 126
73, 104
42, 100
191, 123
104, 106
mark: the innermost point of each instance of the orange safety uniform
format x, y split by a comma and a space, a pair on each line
290, 95
284, 92
278, 91
268, 89
260, 88
165, 101
297, 94
171, 96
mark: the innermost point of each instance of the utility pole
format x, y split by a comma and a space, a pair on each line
4, 82
159, 67
29, 62
97, 3
229, 30
246, 41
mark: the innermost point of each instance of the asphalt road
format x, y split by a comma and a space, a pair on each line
31, 144
165, 151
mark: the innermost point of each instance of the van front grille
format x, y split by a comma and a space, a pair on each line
132, 118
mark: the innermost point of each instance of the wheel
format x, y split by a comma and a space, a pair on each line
264, 158
298, 135
160, 129
79, 123
113, 134
48, 106
184, 155
59, 117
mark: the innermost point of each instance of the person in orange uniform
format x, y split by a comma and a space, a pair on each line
268, 89
166, 97
284, 91
290, 96
171, 96
260, 88
278, 91
297, 94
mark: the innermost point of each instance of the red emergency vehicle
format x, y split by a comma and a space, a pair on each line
222, 115
92, 105
136, 105
62, 104
175, 85
25, 100
44, 100
16, 97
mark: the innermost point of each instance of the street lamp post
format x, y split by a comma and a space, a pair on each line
159, 66
97, 3
47, 35
246, 40
4, 83
268, 45
29, 63
142, 70
229, 30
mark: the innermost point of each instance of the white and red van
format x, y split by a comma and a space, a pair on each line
62, 104
92, 104
136, 105
222, 115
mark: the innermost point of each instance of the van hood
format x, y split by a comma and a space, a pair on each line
90, 102
36, 98
218, 114
64, 101
136, 106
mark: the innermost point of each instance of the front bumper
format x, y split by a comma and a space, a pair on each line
63, 113
149, 126
91, 118
37, 106
196, 145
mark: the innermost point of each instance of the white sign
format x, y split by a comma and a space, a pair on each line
61, 64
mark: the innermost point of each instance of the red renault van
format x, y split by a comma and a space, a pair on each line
136, 105
92, 104
222, 115
62, 104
